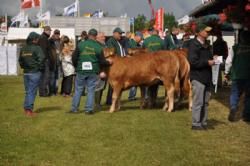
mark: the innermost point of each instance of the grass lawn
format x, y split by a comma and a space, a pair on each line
131, 137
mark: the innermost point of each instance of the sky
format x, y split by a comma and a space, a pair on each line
114, 7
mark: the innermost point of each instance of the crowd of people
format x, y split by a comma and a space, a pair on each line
46, 57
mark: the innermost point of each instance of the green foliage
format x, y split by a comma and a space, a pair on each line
140, 22
130, 137
169, 20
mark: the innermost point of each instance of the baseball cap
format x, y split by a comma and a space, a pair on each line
117, 29
139, 34
57, 31
201, 27
33, 35
92, 32
47, 28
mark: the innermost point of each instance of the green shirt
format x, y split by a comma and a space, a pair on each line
112, 43
132, 43
31, 58
241, 62
89, 52
153, 43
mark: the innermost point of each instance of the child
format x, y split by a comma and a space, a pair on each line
67, 66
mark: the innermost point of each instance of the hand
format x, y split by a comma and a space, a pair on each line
211, 62
110, 61
226, 77
102, 75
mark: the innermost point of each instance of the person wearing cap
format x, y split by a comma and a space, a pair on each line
134, 43
170, 41
87, 58
54, 65
114, 42
238, 69
101, 84
153, 43
31, 61
45, 45
201, 61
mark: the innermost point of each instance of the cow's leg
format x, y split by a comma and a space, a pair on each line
190, 98
169, 101
115, 98
143, 97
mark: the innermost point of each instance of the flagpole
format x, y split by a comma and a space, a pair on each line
78, 8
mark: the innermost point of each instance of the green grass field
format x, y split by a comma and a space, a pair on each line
131, 137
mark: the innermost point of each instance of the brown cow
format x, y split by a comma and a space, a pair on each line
182, 88
142, 70
185, 86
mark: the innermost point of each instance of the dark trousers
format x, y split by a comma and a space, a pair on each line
44, 84
67, 83
152, 92
109, 96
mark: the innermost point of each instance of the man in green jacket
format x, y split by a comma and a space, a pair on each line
153, 43
88, 57
171, 42
114, 42
31, 60
240, 75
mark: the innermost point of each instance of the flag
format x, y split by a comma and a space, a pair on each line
19, 17
159, 20
44, 16
71, 9
184, 20
25, 4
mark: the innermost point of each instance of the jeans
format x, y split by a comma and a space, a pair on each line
31, 84
201, 96
44, 83
132, 93
238, 88
88, 81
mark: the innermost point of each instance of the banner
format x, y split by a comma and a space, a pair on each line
159, 20
26, 4
3, 60
71, 9
44, 16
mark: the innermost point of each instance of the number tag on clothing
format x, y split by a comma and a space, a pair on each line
87, 66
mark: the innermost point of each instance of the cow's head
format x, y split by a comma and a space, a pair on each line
134, 51
108, 52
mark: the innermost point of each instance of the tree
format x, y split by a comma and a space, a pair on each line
140, 22
169, 20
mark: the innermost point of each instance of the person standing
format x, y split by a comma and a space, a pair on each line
31, 60
170, 41
114, 42
54, 62
201, 61
134, 43
67, 66
153, 43
101, 83
239, 64
45, 45
87, 57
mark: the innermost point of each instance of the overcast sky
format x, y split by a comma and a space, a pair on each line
114, 7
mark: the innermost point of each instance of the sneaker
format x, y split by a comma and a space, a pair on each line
246, 119
29, 112
198, 128
89, 112
232, 116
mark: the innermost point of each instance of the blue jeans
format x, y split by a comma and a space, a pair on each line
238, 88
132, 93
90, 82
31, 84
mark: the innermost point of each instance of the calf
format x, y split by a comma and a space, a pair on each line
142, 70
